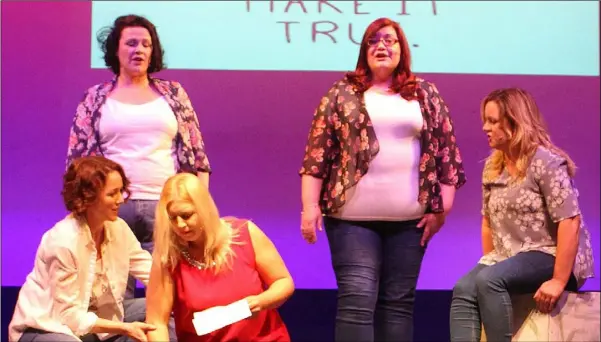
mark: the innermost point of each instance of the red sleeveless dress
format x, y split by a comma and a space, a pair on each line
197, 290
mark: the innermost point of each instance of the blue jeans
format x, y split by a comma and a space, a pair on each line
376, 265
139, 216
134, 311
482, 297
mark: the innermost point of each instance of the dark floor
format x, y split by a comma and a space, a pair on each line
310, 314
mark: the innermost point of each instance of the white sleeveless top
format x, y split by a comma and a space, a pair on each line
141, 139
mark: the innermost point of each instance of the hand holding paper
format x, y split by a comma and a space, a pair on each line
254, 304
218, 317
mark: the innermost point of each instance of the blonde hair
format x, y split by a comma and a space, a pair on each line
217, 236
526, 129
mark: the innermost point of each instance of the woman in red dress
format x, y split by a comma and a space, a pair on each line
201, 261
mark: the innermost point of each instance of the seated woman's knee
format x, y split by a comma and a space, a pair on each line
135, 310
486, 280
465, 286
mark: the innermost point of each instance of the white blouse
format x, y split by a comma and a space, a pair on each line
56, 294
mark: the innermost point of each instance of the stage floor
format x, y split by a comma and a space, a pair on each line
310, 314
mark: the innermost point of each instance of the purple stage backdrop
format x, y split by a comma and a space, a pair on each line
255, 125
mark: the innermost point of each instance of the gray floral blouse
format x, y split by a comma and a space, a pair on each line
524, 215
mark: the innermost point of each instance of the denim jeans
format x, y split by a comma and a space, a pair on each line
376, 264
134, 311
139, 216
482, 297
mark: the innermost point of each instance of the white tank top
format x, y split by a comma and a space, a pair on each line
141, 139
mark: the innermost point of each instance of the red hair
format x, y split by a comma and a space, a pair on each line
85, 179
403, 80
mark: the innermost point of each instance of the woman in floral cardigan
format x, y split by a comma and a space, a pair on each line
382, 165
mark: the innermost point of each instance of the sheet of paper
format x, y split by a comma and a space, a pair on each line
218, 317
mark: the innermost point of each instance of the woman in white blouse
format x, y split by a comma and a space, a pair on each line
75, 291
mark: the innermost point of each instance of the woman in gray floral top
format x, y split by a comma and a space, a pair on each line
533, 235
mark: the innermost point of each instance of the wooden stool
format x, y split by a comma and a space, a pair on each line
576, 318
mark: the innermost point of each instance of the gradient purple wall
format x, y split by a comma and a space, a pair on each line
255, 125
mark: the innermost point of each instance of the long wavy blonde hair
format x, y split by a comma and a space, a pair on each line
526, 129
217, 236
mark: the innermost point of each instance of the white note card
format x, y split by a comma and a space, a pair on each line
218, 317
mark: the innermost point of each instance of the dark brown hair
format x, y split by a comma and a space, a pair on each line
85, 179
403, 80
109, 37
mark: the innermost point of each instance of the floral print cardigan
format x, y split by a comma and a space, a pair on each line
342, 142
84, 139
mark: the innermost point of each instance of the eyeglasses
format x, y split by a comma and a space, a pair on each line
388, 41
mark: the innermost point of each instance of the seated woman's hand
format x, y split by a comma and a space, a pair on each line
254, 304
137, 330
547, 295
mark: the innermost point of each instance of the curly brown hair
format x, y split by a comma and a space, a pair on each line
403, 80
85, 179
